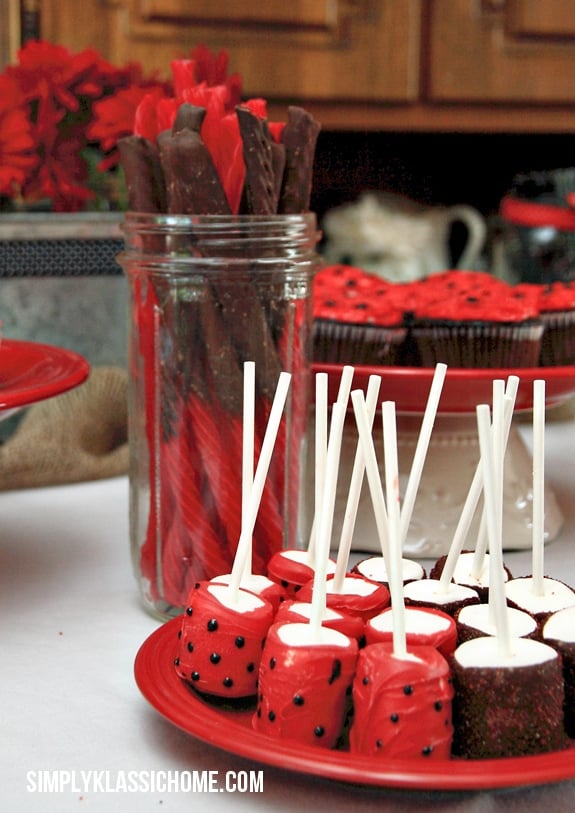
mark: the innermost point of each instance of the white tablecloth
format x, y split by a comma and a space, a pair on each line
70, 626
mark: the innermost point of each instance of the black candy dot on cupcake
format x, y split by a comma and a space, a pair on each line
319, 731
190, 646
212, 625
189, 610
378, 743
438, 705
408, 689
427, 750
271, 716
272, 663
250, 667
240, 641
215, 657
394, 717
176, 661
195, 676
228, 682
298, 700
365, 681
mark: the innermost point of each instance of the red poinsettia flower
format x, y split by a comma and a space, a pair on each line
18, 155
54, 106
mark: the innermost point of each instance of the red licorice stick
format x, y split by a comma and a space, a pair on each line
145, 313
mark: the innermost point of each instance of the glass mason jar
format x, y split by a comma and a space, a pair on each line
207, 294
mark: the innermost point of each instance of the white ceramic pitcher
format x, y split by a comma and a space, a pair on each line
399, 239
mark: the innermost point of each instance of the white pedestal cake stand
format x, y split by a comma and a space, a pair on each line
452, 456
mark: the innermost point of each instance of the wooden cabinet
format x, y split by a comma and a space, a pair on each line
443, 65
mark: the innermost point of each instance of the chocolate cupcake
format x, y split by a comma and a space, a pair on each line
469, 319
557, 313
356, 318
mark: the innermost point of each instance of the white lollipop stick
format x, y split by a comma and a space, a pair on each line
321, 413
325, 520
470, 506
421, 448
497, 452
395, 548
248, 446
342, 398
509, 405
372, 471
538, 486
256, 491
355, 485
496, 587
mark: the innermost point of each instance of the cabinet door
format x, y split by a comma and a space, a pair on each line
512, 51
302, 50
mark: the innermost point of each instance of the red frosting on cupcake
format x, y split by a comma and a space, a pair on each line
346, 294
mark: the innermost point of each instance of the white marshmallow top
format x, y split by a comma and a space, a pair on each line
428, 590
303, 558
304, 608
485, 652
244, 602
416, 621
374, 568
561, 626
555, 596
253, 581
462, 571
305, 635
479, 617
355, 587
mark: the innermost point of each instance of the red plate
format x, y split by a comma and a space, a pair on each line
462, 389
30, 372
232, 732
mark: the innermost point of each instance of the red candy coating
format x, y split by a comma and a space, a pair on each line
220, 647
402, 706
353, 602
303, 690
290, 611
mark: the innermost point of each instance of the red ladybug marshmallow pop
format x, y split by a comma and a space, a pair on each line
307, 669
224, 626
402, 700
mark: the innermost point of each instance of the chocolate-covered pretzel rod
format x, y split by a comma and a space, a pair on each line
140, 162
299, 137
192, 182
264, 163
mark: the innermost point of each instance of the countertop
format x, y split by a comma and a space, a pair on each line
70, 626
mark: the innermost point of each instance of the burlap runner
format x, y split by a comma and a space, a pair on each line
78, 436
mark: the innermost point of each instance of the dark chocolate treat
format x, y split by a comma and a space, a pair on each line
482, 589
261, 189
300, 137
193, 185
507, 709
189, 117
140, 162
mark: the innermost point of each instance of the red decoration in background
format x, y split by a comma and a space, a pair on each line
54, 104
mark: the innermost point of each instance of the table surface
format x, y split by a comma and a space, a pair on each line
71, 624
